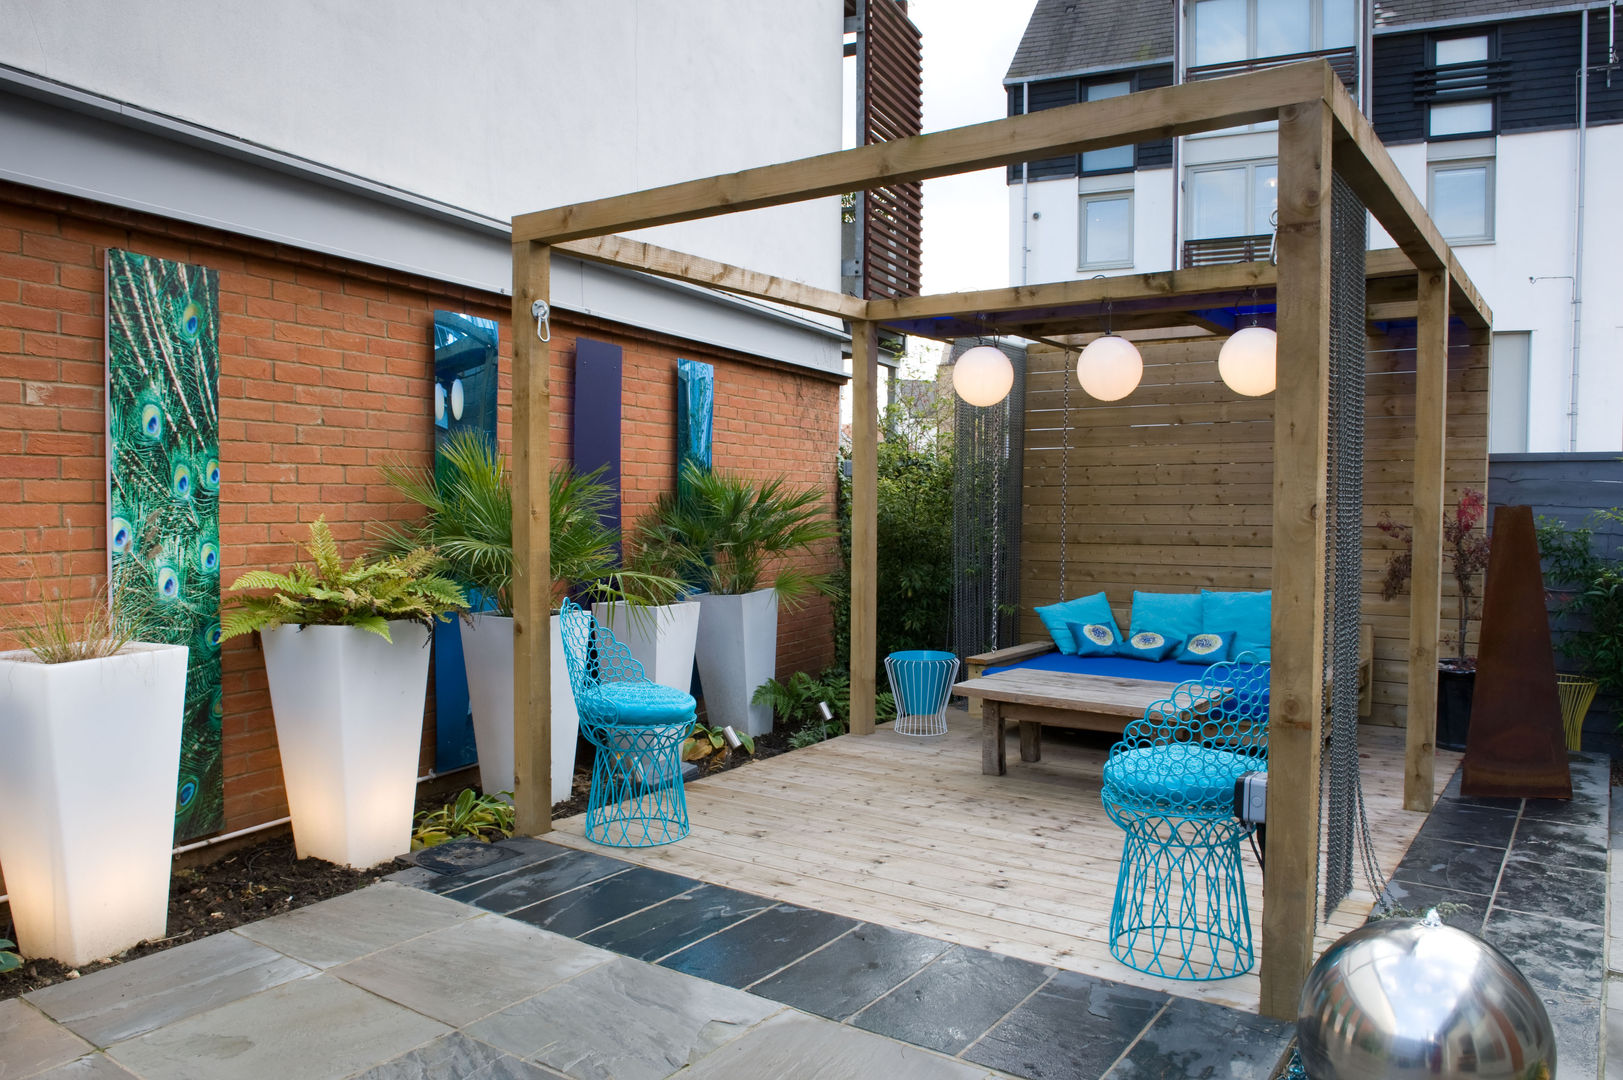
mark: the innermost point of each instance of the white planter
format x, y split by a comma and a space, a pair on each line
89, 756
487, 651
661, 638
349, 723
737, 652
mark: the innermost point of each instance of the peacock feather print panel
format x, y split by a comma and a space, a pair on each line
163, 492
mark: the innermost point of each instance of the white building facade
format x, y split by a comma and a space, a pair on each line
1513, 141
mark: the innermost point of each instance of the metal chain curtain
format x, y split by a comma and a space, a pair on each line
1346, 826
988, 444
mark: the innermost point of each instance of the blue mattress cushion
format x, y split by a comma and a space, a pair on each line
1177, 775
637, 703
1116, 667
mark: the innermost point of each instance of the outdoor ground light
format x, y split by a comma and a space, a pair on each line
1247, 361
983, 376
1110, 367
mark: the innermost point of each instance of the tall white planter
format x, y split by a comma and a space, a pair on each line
661, 638
737, 651
349, 722
89, 757
487, 652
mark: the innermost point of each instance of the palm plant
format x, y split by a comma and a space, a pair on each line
469, 498
724, 532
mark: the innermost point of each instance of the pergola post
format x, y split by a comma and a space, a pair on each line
532, 545
1426, 580
1301, 433
864, 523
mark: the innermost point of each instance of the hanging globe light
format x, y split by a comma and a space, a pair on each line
983, 376
1248, 360
1110, 367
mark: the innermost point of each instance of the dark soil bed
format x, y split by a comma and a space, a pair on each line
254, 883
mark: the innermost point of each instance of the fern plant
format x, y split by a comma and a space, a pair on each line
478, 817
794, 702
368, 594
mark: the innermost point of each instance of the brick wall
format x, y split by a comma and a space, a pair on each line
325, 373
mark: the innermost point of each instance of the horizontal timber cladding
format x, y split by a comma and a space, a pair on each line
1171, 488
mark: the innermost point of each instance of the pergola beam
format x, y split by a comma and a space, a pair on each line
1072, 129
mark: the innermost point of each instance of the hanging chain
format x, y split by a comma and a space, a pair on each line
1064, 467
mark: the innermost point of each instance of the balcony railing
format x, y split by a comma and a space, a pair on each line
1216, 250
1343, 60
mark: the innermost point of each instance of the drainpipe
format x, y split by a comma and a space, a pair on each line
1578, 228
1025, 196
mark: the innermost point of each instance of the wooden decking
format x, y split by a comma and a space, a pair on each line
908, 833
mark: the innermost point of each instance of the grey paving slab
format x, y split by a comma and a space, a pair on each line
339, 930
1537, 887
753, 949
582, 910
1198, 1038
319, 1028
1614, 1038
1481, 825
851, 971
1577, 1036
1556, 955
794, 1046
1047, 1039
1444, 864
550, 875
459, 1057
472, 969
30, 1043
625, 1020
89, 1067
678, 922
120, 1002
419, 876
954, 1000
1555, 843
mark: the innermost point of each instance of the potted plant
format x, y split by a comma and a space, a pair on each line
1466, 549
728, 534
1588, 588
90, 721
469, 499
346, 656
660, 627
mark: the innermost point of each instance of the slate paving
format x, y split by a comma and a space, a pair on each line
532, 961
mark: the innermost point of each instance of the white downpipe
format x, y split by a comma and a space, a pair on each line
1578, 229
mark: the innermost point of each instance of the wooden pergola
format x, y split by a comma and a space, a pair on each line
1321, 133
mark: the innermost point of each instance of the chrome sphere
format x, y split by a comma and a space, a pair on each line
1402, 999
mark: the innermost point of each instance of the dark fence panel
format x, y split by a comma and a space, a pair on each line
1568, 487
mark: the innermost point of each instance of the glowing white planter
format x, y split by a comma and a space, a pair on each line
487, 653
737, 652
349, 723
661, 638
89, 755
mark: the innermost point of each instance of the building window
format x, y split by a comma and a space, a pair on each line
1232, 199
1107, 230
1461, 86
1509, 370
1117, 158
1225, 31
1460, 200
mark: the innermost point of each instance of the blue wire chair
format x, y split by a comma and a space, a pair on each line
1180, 909
637, 727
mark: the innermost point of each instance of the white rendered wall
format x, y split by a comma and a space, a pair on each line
492, 107
1054, 236
1533, 237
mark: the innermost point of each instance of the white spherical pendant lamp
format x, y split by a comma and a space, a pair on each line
1248, 361
1109, 368
983, 376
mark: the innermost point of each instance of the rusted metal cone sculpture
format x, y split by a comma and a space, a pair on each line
1402, 999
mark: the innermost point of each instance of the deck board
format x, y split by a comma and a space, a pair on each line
908, 833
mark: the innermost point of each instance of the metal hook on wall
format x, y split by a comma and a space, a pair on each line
542, 313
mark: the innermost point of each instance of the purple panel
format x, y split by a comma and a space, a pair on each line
597, 415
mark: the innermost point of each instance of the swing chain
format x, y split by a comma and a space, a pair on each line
1064, 468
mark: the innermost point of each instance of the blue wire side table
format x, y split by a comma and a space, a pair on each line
921, 682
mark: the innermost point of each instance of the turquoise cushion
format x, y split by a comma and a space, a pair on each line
1175, 774
1172, 615
1147, 645
1095, 639
1207, 647
1248, 614
1085, 609
639, 703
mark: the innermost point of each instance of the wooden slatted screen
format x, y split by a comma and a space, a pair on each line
893, 97
1171, 489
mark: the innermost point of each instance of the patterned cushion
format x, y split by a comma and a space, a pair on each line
1095, 639
1147, 645
1084, 609
1206, 648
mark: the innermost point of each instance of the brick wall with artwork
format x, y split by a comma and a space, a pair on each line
325, 372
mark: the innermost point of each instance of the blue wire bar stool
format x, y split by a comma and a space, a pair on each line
1180, 909
921, 682
637, 727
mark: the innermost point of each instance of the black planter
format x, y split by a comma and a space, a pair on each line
1453, 706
